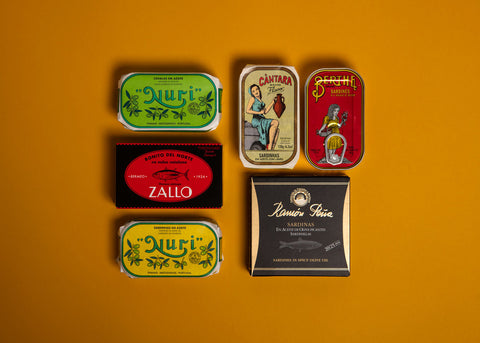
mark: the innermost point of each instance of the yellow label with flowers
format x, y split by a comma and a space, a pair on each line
170, 249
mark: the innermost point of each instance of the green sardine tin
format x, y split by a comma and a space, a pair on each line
169, 101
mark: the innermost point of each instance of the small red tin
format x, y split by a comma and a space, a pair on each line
334, 118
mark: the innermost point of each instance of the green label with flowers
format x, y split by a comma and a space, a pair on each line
160, 249
169, 102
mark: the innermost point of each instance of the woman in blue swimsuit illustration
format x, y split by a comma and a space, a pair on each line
267, 128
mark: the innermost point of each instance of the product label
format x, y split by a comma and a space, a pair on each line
169, 249
168, 101
168, 176
269, 108
334, 121
300, 227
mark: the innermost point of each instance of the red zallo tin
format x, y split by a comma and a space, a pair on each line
334, 123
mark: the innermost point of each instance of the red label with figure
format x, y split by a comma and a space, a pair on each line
334, 125
168, 176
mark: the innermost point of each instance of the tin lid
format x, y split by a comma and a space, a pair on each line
169, 101
150, 175
269, 120
334, 118
170, 249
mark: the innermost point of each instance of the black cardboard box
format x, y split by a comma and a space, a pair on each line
300, 226
168, 175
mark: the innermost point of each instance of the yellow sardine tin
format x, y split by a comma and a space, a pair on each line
170, 249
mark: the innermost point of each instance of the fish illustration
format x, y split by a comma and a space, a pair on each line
168, 174
300, 245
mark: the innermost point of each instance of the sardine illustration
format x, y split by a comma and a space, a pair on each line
168, 174
300, 245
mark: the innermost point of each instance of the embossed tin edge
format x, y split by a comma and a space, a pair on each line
211, 125
289, 164
306, 117
207, 223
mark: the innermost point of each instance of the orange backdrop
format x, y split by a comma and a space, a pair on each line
414, 233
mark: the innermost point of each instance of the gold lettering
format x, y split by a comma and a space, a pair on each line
318, 84
352, 83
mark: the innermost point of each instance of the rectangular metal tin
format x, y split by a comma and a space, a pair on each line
300, 226
209, 156
334, 118
279, 127
169, 101
153, 249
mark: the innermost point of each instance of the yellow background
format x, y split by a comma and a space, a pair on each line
414, 229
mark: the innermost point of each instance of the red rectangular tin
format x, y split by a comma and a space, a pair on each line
334, 118
169, 175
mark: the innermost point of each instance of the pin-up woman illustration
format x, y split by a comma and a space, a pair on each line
333, 138
267, 128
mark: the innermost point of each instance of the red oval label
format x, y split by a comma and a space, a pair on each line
168, 176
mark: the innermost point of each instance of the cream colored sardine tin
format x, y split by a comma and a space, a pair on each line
169, 101
269, 116
170, 249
